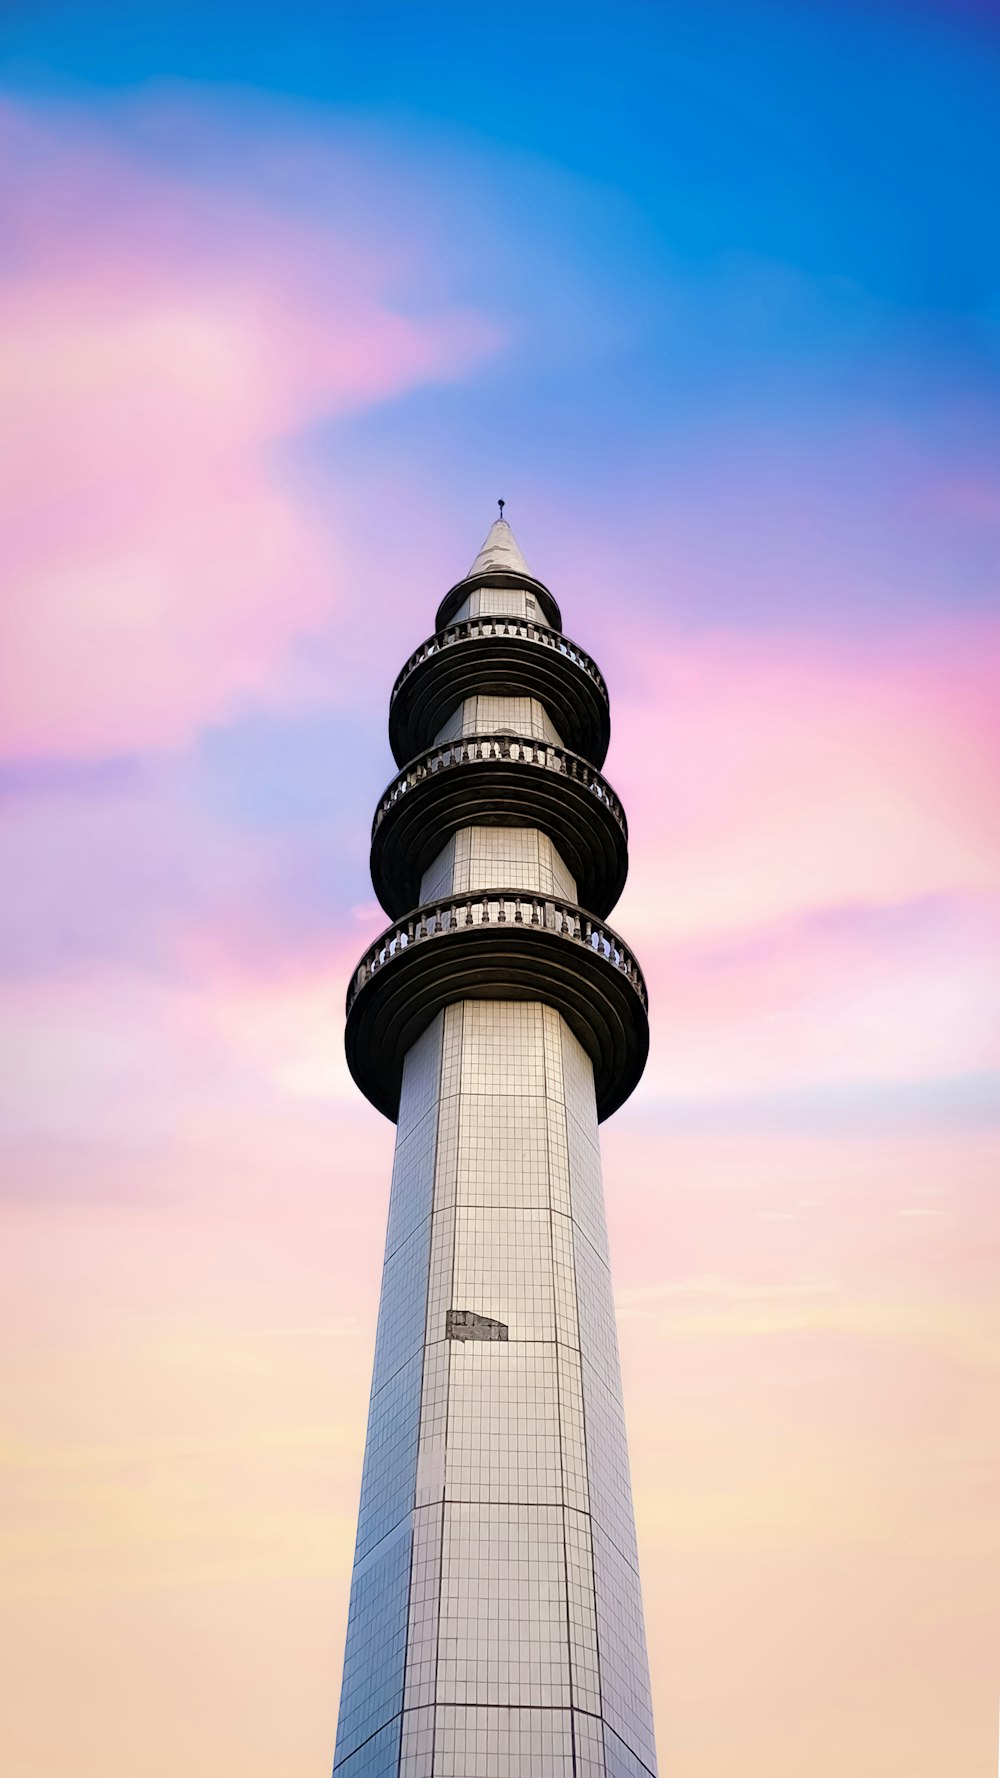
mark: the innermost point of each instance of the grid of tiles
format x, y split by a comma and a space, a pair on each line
496, 1602
498, 601
504, 1436
389, 1471
375, 1653
496, 1549
439, 876
502, 1628
378, 1614
378, 1757
625, 1696
505, 1743
484, 857
490, 714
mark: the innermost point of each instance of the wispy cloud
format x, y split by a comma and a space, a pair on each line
163, 340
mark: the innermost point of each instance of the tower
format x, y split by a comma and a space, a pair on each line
495, 1626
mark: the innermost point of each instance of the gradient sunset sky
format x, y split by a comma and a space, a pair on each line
710, 293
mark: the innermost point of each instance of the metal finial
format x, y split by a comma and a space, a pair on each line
501, 504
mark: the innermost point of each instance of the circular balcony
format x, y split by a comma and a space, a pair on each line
499, 780
499, 944
498, 577
502, 656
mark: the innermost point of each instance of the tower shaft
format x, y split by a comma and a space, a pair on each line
495, 1626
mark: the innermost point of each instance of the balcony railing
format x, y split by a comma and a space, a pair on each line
499, 908
520, 749
473, 627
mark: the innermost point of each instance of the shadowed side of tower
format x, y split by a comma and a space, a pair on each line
495, 1626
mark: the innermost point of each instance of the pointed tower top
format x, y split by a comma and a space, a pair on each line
499, 563
499, 550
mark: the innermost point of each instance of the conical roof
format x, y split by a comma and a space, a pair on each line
498, 557
498, 552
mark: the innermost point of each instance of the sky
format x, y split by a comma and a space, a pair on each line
288, 297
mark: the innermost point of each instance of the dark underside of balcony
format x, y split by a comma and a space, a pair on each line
584, 823
539, 950
498, 659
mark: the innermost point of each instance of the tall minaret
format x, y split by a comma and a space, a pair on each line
495, 1626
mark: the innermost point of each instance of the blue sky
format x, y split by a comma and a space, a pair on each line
759, 237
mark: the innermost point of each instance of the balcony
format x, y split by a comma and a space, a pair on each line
499, 780
500, 656
498, 577
504, 944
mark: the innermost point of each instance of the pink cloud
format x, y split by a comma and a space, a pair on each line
773, 774
159, 343
905, 995
819, 915
815, 857
140, 875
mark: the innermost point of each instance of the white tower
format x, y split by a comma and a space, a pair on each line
495, 1626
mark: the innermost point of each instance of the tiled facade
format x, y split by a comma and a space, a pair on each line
493, 857
495, 1626
498, 602
492, 715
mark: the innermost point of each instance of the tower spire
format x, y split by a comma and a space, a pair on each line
500, 549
